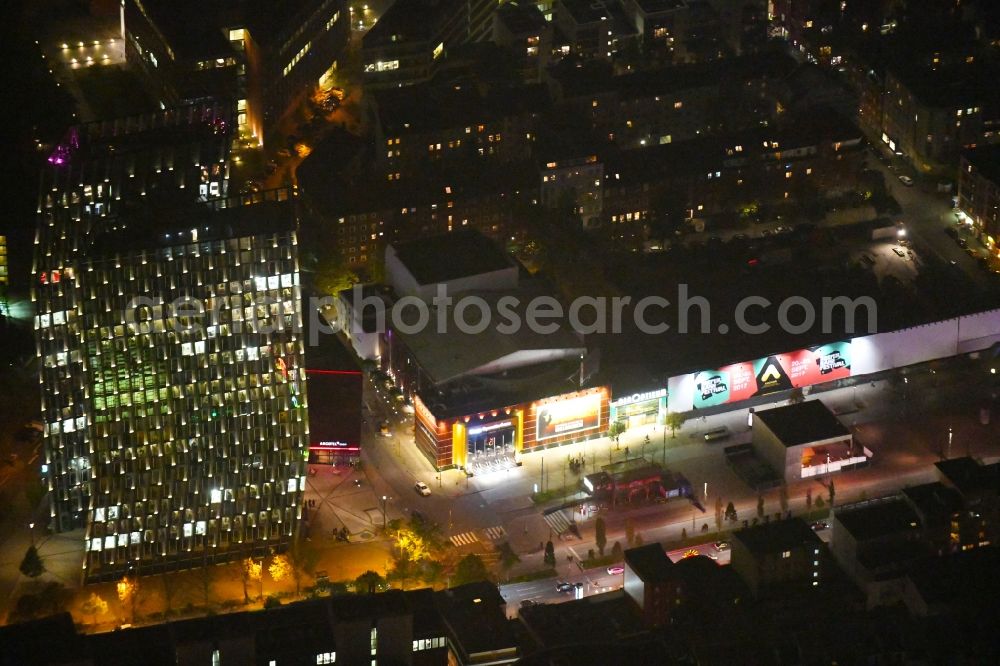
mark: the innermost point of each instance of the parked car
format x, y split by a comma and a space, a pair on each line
528, 603
962, 243
722, 545
563, 586
906, 180
616, 570
383, 429
820, 525
422, 489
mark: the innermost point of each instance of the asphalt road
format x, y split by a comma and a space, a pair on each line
594, 581
927, 214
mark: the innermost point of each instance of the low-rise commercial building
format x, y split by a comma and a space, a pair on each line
803, 440
488, 387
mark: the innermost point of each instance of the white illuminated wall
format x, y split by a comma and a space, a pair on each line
885, 351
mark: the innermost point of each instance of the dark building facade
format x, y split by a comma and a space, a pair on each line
979, 193
777, 556
254, 53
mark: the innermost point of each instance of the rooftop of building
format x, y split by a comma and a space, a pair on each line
878, 519
192, 29
296, 631
435, 106
608, 13
969, 476
346, 194
635, 166
55, 637
406, 22
886, 559
777, 536
707, 583
650, 563
475, 614
965, 578
459, 254
522, 18
802, 423
163, 223
472, 394
947, 88
199, 30
986, 160
597, 77
651, 7
609, 616
934, 500
456, 354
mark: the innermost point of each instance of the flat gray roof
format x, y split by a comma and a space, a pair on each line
454, 353
802, 423
451, 256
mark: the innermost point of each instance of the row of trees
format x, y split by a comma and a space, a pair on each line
674, 421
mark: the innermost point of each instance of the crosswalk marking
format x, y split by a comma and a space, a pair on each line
496, 533
557, 521
464, 539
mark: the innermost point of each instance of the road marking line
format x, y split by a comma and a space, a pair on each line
464, 539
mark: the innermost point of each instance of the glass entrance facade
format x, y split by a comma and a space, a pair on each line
641, 409
491, 444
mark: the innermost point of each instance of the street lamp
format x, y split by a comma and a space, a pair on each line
384, 524
31, 531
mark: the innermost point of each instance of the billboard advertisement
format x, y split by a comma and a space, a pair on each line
564, 417
779, 372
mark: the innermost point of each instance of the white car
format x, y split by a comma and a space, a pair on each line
422, 488
906, 180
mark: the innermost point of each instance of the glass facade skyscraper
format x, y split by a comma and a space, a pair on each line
169, 346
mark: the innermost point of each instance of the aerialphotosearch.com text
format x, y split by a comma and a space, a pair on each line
474, 313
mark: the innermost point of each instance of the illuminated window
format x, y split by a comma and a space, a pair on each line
786, 554
326, 658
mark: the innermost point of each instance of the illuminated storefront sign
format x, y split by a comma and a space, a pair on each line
779, 372
489, 427
639, 397
564, 417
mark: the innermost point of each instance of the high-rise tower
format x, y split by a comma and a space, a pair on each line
169, 346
